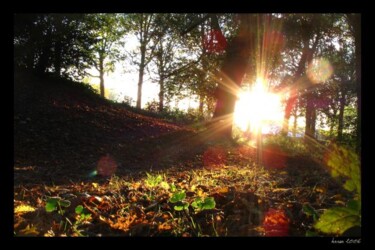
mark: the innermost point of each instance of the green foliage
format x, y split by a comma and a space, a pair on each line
310, 211
153, 180
203, 204
83, 214
56, 203
337, 220
178, 196
345, 164
292, 146
198, 204
79, 209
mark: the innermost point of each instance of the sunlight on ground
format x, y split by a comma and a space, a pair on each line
257, 108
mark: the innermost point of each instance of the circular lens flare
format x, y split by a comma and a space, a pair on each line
319, 70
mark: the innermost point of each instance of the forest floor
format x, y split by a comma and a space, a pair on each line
84, 166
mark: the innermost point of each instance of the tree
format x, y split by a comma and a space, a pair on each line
55, 43
355, 24
145, 28
108, 29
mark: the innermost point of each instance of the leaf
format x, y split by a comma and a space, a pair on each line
184, 205
173, 187
207, 203
337, 220
310, 211
178, 196
354, 205
51, 205
350, 185
24, 209
29, 230
164, 185
311, 234
95, 185
64, 203
79, 209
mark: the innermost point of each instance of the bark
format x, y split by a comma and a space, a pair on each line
57, 62
201, 104
355, 22
310, 116
293, 90
101, 75
161, 94
295, 125
341, 117
140, 77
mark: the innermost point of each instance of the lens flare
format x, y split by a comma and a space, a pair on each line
319, 70
106, 166
257, 106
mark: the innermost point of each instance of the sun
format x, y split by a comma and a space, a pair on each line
257, 107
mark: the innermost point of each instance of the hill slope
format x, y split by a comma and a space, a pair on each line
62, 129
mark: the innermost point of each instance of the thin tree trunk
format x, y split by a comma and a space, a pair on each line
161, 94
140, 77
201, 103
310, 97
295, 125
294, 89
57, 62
101, 75
341, 117
202, 75
355, 22
310, 115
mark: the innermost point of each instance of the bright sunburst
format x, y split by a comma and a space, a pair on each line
257, 107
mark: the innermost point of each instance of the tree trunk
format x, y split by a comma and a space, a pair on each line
101, 75
203, 74
341, 117
57, 62
201, 103
293, 90
355, 22
233, 70
161, 94
310, 97
140, 77
295, 125
310, 115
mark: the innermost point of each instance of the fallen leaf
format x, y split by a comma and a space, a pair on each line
24, 209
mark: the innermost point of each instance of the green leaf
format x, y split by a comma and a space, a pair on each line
51, 205
311, 234
200, 204
173, 188
182, 206
79, 209
164, 185
350, 185
178, 196
337, 220
208, 203
64, 203
310, 211
354, 205
197, 203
